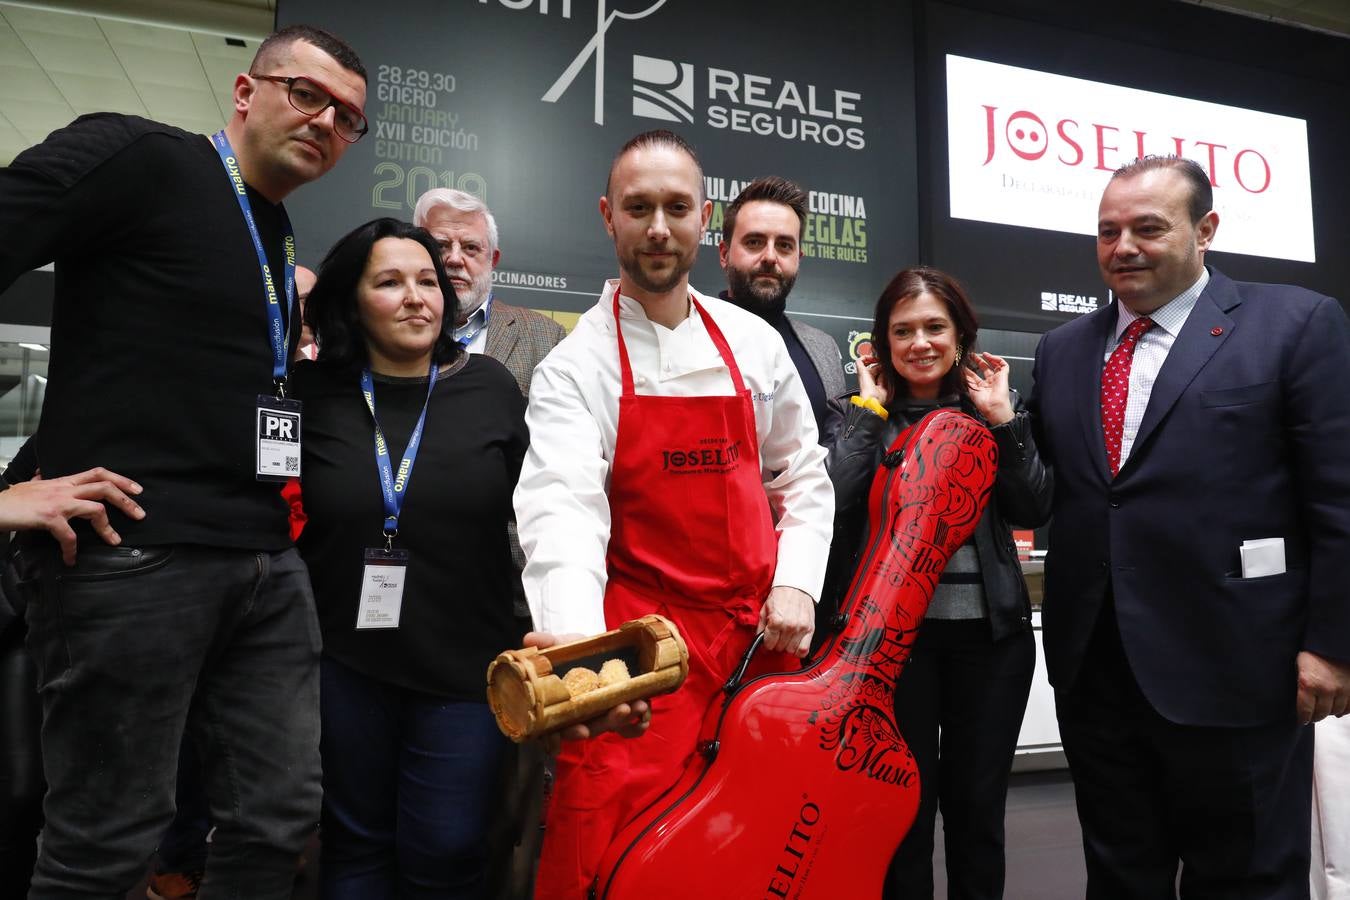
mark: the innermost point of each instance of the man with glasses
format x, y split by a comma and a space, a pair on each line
172, 329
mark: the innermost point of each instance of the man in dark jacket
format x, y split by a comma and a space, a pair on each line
760, 252
1194, 416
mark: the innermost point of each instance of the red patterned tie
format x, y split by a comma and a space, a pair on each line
1116, 389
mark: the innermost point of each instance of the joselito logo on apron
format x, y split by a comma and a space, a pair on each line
712, 456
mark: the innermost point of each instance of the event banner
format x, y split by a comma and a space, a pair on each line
524, 103
1035, 150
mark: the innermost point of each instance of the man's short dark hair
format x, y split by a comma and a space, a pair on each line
658, 137
769, 189
271, 51
1202, 192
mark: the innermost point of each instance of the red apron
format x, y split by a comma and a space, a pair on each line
692, 539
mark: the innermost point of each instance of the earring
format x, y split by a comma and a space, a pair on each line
957, 361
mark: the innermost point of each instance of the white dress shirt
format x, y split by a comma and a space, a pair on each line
1150, 353
562, 506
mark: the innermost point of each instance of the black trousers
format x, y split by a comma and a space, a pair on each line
21, 784
1230, 807
959, 704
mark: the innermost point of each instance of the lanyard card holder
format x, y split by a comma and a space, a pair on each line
382, 582
278, 438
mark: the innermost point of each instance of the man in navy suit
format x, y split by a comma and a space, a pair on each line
1184, 688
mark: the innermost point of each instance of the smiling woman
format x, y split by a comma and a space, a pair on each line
413, 579
969, 675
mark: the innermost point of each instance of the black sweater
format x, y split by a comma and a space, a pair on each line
457, 611
159, 327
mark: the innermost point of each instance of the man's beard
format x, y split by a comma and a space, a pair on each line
656, 284
473, 296
768, 299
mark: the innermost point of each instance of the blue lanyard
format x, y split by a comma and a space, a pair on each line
278, 331
394, 487
467, 337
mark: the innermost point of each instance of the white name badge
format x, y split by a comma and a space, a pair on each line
278, 431
382, 582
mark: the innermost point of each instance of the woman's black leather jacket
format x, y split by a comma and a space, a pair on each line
857, 439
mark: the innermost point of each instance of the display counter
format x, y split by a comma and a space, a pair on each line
1038, 745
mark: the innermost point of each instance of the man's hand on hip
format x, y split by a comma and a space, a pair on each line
1323, 687
788, 619
50, 504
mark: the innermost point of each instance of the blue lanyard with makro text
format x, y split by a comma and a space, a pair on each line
394, 487
278, 331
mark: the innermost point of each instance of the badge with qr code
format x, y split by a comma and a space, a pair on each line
278, 430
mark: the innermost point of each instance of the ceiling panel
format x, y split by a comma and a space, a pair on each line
31, 20
145, 37
80, 55
169, 67
1333, 10
170, 58
91, 93
12, 140
232, 18
167, 59
165, 103
36, 120
221, 63
1332, 16
26, 82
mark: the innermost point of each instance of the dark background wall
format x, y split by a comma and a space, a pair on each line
791, 88
457, 97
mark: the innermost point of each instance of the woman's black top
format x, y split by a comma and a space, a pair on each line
456, 612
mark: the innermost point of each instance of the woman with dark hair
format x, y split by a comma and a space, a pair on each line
960, 699
412, 572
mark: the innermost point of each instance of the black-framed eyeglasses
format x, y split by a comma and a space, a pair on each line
312, 98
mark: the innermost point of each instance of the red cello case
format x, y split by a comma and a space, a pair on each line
802, 786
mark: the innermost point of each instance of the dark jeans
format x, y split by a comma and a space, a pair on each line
1231, 808
410, 782
959, 704
132, 646
20, 763
183, 847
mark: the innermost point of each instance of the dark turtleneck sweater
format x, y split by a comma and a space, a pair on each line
806, 369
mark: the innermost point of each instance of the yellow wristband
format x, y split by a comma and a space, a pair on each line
872, 404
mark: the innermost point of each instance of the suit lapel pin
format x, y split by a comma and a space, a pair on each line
1216, 331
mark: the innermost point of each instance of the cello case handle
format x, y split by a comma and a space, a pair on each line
734, 681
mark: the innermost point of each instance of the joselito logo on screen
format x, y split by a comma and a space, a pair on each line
1033, 149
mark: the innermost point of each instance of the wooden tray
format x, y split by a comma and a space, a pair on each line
526, 692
